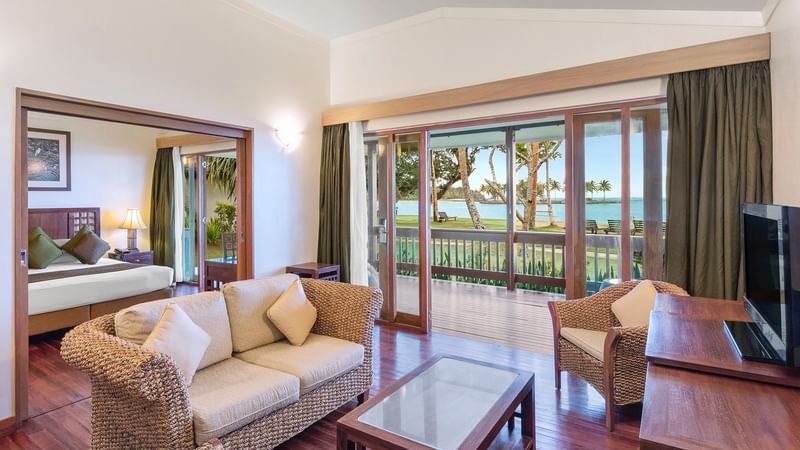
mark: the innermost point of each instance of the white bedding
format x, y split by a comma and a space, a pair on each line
70, 292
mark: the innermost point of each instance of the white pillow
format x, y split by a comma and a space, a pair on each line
633, 309
293, 314
178, 337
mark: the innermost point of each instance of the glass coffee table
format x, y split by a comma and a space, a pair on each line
447, 403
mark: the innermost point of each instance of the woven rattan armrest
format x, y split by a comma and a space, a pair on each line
344, 311
586, 313
113, 361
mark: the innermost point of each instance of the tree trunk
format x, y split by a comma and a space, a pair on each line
550, 215
434, 190
533, 177
471, 206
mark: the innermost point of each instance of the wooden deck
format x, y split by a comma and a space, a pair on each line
494, 315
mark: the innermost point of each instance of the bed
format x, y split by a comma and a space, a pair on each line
68, 293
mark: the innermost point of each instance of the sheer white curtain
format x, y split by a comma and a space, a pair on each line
358, 206
177, 167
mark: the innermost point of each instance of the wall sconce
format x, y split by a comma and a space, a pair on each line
288, 137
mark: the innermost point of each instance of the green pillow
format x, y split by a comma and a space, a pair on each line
42, 251
38, 231
90, 249
69, 246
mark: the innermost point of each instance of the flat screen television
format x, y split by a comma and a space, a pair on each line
771, 250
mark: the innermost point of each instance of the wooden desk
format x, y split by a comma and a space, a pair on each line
688, 408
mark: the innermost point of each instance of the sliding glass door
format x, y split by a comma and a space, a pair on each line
399, 229
618, 203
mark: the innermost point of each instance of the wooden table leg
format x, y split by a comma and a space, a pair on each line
529, 418
341, 440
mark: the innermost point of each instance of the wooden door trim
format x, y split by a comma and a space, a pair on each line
649, 65
31, 100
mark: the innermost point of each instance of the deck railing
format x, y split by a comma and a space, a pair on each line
478, 256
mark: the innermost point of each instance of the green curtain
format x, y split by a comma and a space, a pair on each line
334, 199
719, 155
162, 210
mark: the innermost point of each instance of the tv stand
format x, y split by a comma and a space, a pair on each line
746, 340
700, 394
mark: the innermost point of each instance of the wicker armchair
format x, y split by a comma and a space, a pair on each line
620, 376
139, 398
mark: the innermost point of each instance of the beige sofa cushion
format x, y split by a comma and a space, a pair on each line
590, 341
181, 339
293, 314
232, 393
248, 302
318, 360
633, 309
206, 309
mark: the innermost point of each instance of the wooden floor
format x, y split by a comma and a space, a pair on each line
489, 314
571, 419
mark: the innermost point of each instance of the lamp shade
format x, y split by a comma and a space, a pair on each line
133, 220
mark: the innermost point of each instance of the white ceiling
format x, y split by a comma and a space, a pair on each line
336, 18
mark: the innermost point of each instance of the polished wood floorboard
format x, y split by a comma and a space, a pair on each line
571, 419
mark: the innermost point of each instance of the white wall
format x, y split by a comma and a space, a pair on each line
204, 58
458, 47
112, 168
785, 68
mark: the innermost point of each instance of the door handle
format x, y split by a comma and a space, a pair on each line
382, 237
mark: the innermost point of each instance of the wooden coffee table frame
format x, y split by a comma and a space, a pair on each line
350, 432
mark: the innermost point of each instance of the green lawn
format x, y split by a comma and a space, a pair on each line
466, 224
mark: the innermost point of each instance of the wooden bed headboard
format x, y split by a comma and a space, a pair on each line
63, 223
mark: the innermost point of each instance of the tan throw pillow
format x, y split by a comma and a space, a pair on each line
633, 309
248, 302
293, 314
178, 337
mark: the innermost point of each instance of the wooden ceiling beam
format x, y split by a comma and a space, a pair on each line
649, 65
182, 140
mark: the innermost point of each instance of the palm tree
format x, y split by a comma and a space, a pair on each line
591, 188
221, 173
556, 185
604, 186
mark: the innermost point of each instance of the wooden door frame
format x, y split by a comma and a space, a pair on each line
37, 101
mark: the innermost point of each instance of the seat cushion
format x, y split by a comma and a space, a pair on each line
633, 309
181, 339
206, 309
293, 314
318, 360
248, 302
232, 393
590, 341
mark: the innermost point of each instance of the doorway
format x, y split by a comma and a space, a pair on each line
210, 217
32, 101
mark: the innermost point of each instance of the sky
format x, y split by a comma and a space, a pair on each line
603, 161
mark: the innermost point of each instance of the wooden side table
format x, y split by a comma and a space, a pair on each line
140, 257
320, 271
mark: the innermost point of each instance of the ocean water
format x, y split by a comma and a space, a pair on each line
600, 212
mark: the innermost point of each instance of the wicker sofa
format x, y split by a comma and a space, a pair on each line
618, 368
140, 400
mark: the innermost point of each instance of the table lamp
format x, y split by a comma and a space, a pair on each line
133, 221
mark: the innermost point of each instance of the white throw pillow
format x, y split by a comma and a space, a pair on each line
206, 309
178, 337
293, 314
633, 309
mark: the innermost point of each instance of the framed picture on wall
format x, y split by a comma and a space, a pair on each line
48, 160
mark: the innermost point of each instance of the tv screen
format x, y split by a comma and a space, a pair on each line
764, 268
